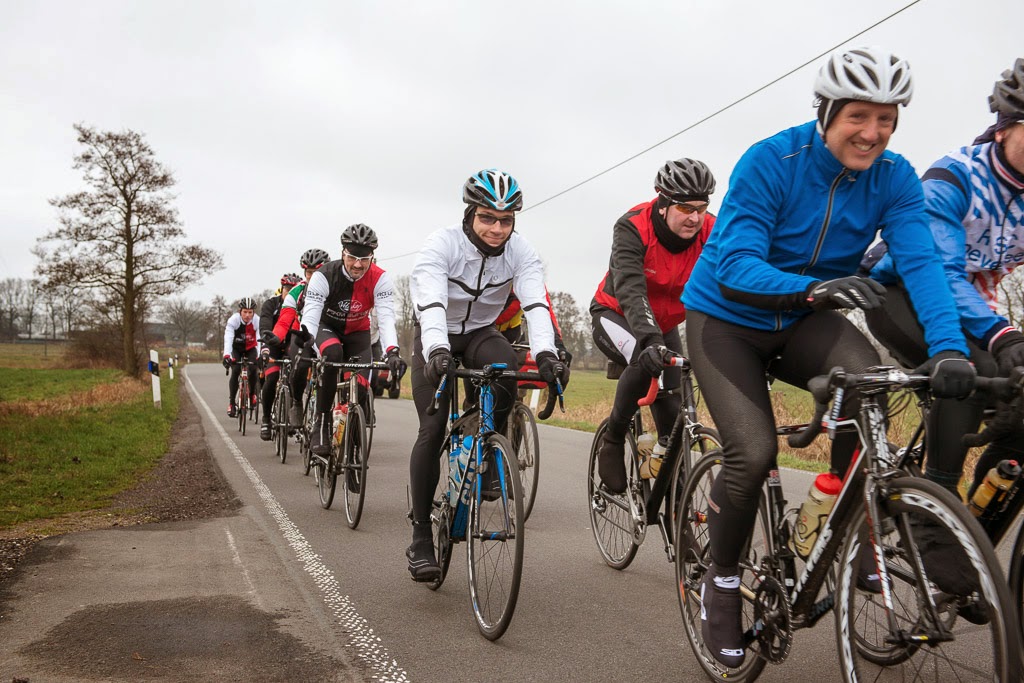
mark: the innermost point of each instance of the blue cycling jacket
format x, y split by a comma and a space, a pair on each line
976, 216
794, 216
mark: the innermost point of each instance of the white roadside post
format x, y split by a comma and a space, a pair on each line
154, 369
170, 367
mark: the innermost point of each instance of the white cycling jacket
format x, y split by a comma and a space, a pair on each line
457, 290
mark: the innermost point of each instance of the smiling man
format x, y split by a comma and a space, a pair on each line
801, 209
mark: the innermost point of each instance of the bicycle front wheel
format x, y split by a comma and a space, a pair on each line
1017, 573
242, 404
704, 441
495, 551
306, 428
327, 471
353, 488
441, 515
615, 519
693, 557
522, 434
284, 404
369, 422
927, 634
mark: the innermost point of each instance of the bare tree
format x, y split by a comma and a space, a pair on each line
574, 323
188, 318
30, 306
405, 315
1011, 297
122, 235
12, 298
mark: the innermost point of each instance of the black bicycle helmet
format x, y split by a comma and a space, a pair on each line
313, 258
246, 303
290, 280
493, 189
685, 180
359, 240
1007, 98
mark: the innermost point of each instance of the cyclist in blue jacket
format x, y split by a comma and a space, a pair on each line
802, 207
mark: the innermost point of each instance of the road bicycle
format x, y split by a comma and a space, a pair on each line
243, 397
350, 441
280, 430
479, 498
620, 521
999, 522
904, 629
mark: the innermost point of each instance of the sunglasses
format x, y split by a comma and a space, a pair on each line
358, 259
689, 209
488, 219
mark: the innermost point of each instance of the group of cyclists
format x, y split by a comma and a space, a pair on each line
762, 288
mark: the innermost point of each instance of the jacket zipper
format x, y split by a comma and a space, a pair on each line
469, 307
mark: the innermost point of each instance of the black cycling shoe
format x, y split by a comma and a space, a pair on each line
720, 612
232, 411
944, 559
611, 464
422, 562
320, 439
490, 481
295, 415
265, 431
868, 579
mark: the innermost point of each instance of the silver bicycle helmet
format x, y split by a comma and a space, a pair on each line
870, 74
685, 180
359, 240
493, 189
246, 303
313, 258
1007, 98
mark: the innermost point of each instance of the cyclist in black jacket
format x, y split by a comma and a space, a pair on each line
273, 348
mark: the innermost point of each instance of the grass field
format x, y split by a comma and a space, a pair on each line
70, 440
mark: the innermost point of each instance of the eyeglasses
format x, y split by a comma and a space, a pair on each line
489, 219
358, 259
689, 209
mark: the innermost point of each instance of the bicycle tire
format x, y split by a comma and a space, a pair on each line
441, 517
692, 558
495, 537
369, 422
705, 441
1017, 573
522, 434
353, 485
617, 533
242, 405
989, 651
284, 404
307, 430
327, 469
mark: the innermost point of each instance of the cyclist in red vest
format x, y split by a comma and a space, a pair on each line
636, 310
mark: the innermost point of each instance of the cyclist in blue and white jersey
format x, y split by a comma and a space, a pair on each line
802, 207
975, 202
460, 283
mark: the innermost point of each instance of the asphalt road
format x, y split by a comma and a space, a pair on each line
576, 619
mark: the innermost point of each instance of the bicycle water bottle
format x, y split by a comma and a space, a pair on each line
645, 444
340, 416
454, 454
820, 499
993, 488
651, 465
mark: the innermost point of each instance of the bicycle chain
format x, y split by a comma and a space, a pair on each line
773, 620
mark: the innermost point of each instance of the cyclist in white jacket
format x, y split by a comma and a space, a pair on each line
460, 283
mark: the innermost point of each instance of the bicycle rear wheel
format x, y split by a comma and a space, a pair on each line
522, 434
616, 520
932, 638
353, 488
306, 428
441, 517
495, 536
693, 557
1017, 573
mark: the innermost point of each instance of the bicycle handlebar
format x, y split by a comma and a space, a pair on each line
491, 373
652, 392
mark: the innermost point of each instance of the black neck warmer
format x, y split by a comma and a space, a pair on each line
482, 247
668, 239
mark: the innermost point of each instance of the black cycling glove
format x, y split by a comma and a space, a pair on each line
952, 374
551, 368
437, 365
395, 363
271, 339
1008, 348
846, 292
227, 362
652, 359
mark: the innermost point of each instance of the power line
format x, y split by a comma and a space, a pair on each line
723, 109
703, 120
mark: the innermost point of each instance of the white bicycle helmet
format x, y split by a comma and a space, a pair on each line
870, 74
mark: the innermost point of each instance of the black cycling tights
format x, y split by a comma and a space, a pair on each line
896, 326
613, 336
730, 362
477, 349
271, 374
339, 348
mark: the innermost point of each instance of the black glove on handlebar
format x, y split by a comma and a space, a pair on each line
437, 365
271, 339
952, 374
652, 359
846, 292
227, 362
396, 366
551, 368
1008, 349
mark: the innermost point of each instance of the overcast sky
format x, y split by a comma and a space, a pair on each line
285, 122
